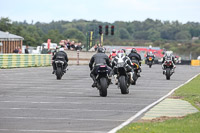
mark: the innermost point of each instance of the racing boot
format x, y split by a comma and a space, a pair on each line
94, 79
53, 72
164, 71
64, 70
131, 77
116, 80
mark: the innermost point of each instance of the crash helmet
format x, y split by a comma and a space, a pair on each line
114, 51
61, 49
101, 50
120, 51
133, 50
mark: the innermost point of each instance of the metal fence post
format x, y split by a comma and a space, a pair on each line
77, 57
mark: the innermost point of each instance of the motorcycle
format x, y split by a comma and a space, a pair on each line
149, 61
136, 70
102, 80
123, 77
168, 69
59, 69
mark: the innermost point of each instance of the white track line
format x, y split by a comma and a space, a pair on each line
114, 130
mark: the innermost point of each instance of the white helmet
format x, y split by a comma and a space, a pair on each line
61, 49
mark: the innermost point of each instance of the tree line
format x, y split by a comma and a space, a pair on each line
156, 32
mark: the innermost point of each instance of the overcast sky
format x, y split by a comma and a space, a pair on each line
101, 10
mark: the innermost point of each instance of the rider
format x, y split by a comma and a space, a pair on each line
56, 50
168, 56
135, 56
121, 56
100, 58
113, 54
150, 54
61, 55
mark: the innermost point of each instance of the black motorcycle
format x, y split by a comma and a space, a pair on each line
123, 78
102, 80
150, 61
168, 69
59, 69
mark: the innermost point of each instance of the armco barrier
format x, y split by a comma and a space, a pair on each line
24, 60
195, 62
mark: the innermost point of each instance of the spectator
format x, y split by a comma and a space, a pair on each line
78, 47
19, 50
26, 50
95, 47
99, 46
68, 44
16, 50
72, 45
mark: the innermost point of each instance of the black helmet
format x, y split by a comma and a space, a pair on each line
133, 50
100, 50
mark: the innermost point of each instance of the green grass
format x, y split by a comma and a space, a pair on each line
189, 124
190, 92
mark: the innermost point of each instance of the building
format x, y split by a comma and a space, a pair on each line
8, 42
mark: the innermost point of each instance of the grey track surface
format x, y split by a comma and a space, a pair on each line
32, 100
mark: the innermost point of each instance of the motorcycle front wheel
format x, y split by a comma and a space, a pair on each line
168, 74
123, 85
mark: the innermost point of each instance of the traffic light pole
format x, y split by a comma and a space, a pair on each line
91, 37
101, 39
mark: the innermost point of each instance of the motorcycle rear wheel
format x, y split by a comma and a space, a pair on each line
59, 73
104, 86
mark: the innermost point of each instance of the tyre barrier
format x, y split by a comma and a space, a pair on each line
24, 60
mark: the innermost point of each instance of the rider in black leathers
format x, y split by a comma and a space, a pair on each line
150, 54
100, 58
62, 56
135, 56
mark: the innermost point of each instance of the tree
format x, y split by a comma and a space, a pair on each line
153, 35
5, 24
183, 35
141, 35
124, 34
74, 33
54, 35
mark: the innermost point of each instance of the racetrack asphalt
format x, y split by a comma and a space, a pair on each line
32, 100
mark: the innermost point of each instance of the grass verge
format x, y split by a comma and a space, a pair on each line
188, 124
